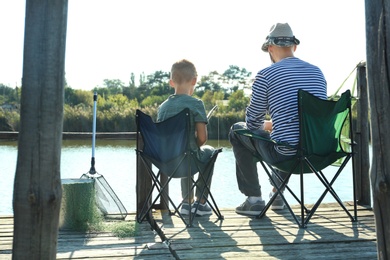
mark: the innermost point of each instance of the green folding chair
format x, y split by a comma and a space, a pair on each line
325, 139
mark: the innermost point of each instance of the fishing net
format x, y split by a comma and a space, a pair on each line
106, 199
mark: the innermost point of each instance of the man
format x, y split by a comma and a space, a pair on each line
274, 93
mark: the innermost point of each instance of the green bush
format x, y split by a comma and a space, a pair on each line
9, 120
220, 123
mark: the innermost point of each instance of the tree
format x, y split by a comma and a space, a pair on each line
158, 78
153, 101
130, 92
235, 73
236, 77
238, 101
79, 96
132, 80
114, 86
207, 99
210, 82
37, 186
9, 95
75, 97
119, 100
378, 70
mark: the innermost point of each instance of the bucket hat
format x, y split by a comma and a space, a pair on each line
280, 35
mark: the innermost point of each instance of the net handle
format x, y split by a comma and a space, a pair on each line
92, 170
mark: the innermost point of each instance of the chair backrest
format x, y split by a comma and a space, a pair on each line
324, 127
166, 143
321, 124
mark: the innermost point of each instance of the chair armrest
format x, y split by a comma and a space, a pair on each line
249, 133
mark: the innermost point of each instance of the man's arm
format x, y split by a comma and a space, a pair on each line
257, 109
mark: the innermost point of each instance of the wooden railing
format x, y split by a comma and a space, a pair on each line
9, 135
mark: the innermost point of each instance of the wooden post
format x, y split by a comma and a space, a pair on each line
37, 186
378, 70
144, 182
361, 137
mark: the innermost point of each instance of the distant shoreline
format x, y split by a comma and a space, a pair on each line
11, 135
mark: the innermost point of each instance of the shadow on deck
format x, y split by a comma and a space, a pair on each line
329, 235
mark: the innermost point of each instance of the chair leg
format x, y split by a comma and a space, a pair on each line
162, 186
302, 187
210, 200
328, 185
161, 194
279, 189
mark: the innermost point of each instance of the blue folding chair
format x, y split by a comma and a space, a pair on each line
166, 145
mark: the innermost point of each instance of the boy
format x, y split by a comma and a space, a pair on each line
183, 79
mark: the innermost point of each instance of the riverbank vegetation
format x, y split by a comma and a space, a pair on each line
118, 101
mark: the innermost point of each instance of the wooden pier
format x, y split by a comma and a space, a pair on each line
329, 235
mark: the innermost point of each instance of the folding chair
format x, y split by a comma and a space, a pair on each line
166, 145
325, 139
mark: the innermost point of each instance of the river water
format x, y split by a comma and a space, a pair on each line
116, 161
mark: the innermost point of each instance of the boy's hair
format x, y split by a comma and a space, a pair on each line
183, 71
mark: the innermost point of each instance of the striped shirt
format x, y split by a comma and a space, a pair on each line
275, 92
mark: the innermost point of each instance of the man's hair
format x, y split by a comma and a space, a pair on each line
183, 71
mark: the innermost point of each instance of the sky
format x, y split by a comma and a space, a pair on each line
110, 39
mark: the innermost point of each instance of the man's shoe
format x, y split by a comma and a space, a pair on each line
251, 209
203, 209
185, 208
278, 202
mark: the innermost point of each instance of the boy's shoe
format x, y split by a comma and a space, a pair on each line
251, 209
278, 202
185, 208
203, 209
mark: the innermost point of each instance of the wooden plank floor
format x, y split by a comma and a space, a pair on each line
329, 235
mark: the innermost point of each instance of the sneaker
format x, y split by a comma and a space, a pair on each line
278, 202
203, 209
251, 209
185, 208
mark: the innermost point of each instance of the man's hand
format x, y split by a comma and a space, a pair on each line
267, 125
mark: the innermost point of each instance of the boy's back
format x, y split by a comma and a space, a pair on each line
176, 103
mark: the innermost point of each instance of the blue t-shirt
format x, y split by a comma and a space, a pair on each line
175, 104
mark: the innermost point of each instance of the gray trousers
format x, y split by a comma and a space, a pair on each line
244, 149
204, 154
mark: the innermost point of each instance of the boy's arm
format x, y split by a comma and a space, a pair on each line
201, 133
